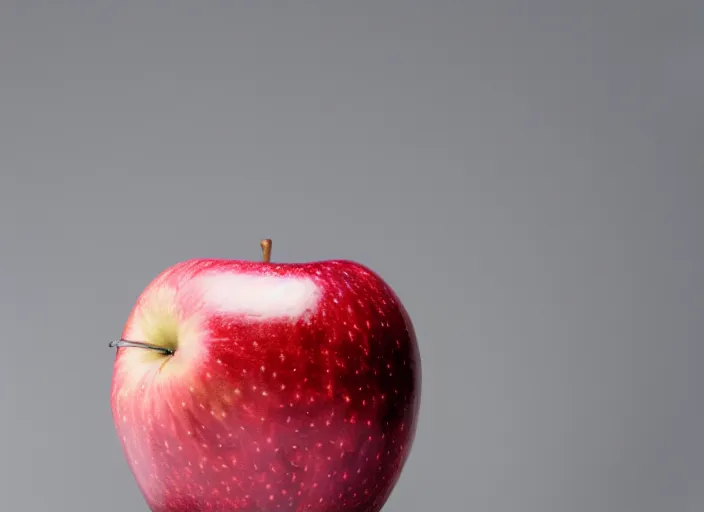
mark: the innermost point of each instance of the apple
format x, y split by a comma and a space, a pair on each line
262, 386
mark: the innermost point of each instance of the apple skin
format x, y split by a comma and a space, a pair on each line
292, 386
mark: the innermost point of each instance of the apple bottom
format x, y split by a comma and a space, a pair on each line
203, 464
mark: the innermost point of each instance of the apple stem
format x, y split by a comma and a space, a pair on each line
141, 344
266, 250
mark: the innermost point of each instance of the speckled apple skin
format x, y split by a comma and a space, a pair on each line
293, 387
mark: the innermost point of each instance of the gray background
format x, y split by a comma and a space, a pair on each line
527, 174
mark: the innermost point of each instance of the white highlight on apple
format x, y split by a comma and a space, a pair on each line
262, 296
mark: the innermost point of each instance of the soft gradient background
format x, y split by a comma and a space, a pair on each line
527, 174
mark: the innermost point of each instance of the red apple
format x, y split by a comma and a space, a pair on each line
260, 386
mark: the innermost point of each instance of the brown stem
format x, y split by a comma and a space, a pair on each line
266, 250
